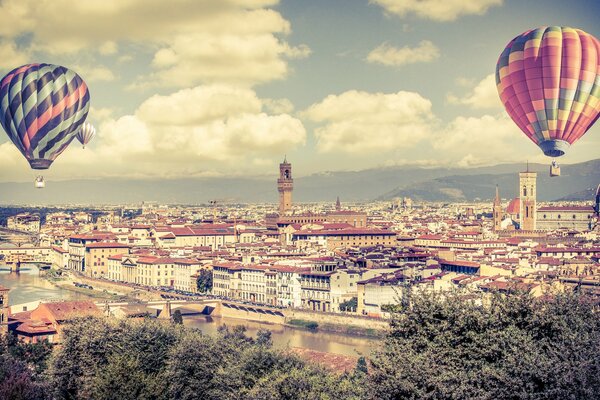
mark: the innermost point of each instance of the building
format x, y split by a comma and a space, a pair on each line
285, 186
332, 239
97, 255
581, 218
77, 244
527, 195
4, 309
48, 319
24, 222
185, 268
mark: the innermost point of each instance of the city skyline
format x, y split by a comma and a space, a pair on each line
227, 88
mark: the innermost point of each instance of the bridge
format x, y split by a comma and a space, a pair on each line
214, 307
18, 237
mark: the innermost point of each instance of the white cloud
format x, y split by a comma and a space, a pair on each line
483, 95
486, 140
194, 131
361, 122
195, 41
437, 10
389, 55
94, 73
11, 56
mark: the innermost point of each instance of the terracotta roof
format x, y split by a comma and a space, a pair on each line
514, 207
64, 310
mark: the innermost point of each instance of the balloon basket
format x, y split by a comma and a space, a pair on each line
39, 182
554, 169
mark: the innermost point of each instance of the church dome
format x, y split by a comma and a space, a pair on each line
514, 207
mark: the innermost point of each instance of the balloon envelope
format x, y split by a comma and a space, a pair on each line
86, 133
41, 108
549, 82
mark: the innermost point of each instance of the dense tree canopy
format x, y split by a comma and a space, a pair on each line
451, 347
513, 347
204, 281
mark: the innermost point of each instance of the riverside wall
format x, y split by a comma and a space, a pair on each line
346, 320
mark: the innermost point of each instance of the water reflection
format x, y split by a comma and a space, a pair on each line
284, 336
26, 286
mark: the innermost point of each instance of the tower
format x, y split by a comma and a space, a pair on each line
338, 205
527, 193
285, 185
497, 212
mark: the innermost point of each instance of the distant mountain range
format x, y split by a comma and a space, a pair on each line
578, 182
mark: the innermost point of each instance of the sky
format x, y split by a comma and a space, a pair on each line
228, 87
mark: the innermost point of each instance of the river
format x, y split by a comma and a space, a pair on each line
26, 286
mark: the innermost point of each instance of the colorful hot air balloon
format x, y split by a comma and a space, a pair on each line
86, 133
41, 108
549, 81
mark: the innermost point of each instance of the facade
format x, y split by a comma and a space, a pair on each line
316, 290
581, 218
77, 245
285, 186
97, 255
24, 222
156, 271
184, 270
527, 193
342, 238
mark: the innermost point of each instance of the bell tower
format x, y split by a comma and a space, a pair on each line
285, 185
527, 194
497, 212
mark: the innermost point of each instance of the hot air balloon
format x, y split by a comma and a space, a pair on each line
41, 108
549, 82
86, 133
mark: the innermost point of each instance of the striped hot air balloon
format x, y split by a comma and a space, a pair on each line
86, 133
42, 107
549, 81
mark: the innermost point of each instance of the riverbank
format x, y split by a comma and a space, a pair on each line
341, 323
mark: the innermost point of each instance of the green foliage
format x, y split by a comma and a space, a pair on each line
349, 305
177, 318
21, 368
100, 359
312, 325
205, 281
512, 347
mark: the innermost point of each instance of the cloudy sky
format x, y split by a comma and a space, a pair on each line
227, 87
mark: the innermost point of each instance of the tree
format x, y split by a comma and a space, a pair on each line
204, 281
512, 346
349, 305
177, 318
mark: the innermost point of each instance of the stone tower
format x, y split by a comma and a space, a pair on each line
285, 185
497, 212
527, 193
338, 205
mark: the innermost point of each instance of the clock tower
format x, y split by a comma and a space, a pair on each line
285, 185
